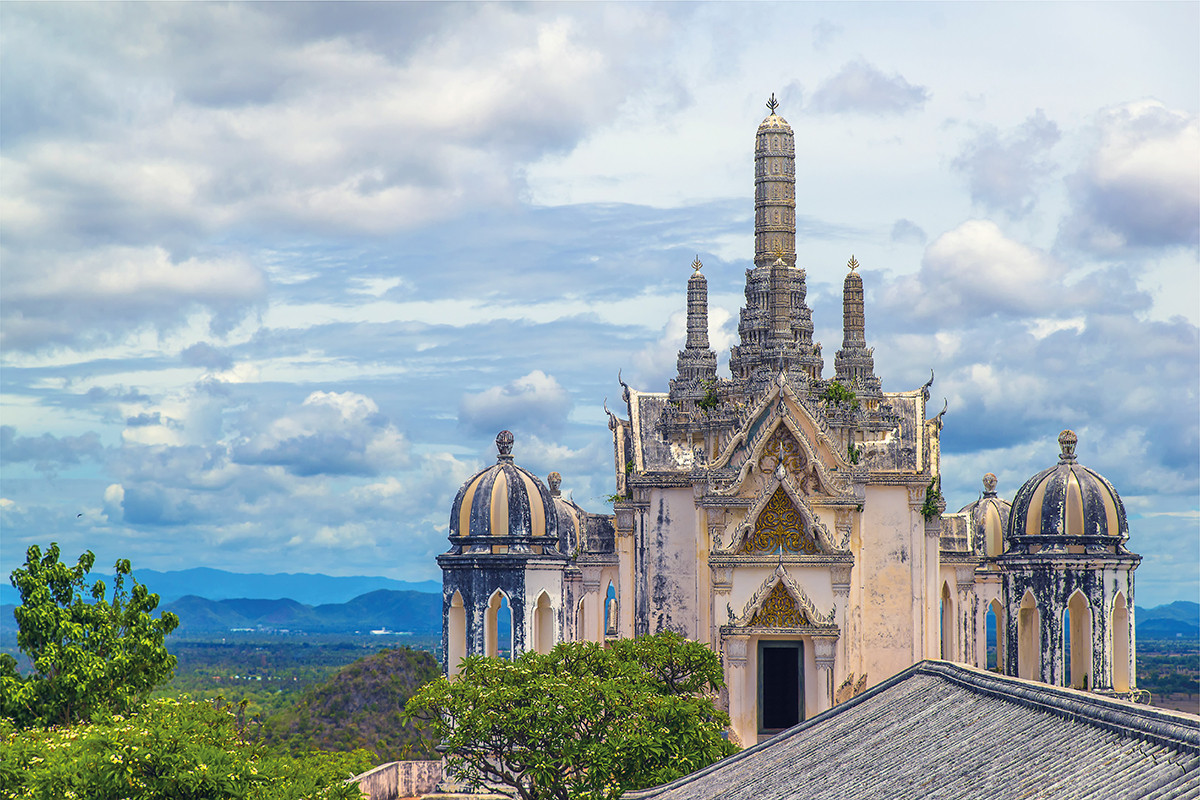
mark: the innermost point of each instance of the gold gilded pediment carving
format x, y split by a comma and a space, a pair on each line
779, 525
782, 448
779, 610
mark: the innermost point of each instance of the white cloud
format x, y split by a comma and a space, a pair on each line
339, 433
1140, 186
862, 87
110, 292
535, 401
1005, 170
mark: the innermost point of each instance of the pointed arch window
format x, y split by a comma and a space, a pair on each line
456, 634
1120, 645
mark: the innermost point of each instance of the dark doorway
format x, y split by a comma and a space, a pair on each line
780, 685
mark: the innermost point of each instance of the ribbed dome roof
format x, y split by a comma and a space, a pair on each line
572, 520
987, 520
1068, 504
503, 500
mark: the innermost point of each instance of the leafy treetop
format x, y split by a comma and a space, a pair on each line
581, 722
87, 656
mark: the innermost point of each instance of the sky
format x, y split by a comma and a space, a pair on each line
274, 275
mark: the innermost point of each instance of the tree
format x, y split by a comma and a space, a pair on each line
169, 750
87, 656
581, 722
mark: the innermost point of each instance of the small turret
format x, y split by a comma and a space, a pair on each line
854, 364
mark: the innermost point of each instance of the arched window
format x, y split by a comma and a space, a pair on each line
1029, 639
543, 624
947, 610
610, 611
1120, 644
581, 631
995, 635
497, 626
456, 634
1077, 630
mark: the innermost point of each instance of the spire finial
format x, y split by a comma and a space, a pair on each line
1067, 441
772, 103
852, 264
696, 265
504, 443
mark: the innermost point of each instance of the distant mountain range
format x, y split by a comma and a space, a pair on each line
1178, 620
217, 584
412, 612
212, 600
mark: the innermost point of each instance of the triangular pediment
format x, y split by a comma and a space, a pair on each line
781, 435
781, 603
781, 520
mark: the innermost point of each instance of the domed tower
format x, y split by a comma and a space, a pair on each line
503, 558
987, 521
1068, 580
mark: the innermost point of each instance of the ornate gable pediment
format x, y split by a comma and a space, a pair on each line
775, 438
781, 518
781, 603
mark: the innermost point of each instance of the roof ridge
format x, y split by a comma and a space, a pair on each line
1143, 722
1147, 722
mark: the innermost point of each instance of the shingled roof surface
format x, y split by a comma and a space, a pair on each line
940, 730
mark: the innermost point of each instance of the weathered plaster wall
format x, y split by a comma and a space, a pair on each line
889, 586
669, 578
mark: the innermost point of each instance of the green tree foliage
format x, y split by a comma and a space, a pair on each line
360, 707
86, 656
582, 722
168, 750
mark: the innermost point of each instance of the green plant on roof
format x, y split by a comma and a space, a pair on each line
836, 394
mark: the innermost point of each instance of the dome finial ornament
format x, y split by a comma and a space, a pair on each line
504, 444
852, 264
1067, 440
989, 485
696, 265
772, 103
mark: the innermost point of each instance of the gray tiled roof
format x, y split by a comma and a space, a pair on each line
940, 730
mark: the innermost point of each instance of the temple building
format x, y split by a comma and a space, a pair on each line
793, 521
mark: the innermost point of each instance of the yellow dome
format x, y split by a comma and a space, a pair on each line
1068, 505
503, 500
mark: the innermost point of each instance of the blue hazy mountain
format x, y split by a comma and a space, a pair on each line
1178, 620
217, 584
414, 612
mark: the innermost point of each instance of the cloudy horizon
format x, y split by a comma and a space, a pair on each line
275, 274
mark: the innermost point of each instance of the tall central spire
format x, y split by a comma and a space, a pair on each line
774, 190
775, 326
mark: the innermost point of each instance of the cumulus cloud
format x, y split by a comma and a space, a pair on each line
976, 269
863, 88
101, 295
1138, 187
1005, 169
332, 433
535, 401
48, 453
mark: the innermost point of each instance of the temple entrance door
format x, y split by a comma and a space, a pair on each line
780, 685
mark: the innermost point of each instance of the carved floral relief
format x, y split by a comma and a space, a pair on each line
778, 525
779, 610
